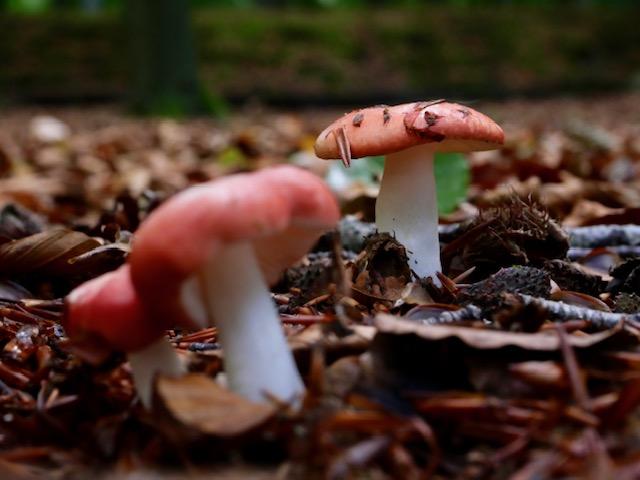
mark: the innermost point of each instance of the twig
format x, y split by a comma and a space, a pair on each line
586, 237
562, 311
603, 235
620, 238
576, 253
201, 346
470, 312
573, 371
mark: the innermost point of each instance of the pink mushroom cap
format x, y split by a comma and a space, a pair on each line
381, 130
281, 211
109, 307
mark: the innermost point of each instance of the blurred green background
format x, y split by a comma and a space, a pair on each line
180, 57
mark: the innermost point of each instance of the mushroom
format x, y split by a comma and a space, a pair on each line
208, 255
108, 307
409, 135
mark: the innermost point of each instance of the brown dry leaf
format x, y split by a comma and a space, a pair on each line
199, 402
620, 216
394, 288
587, 212
27, 471
485, 339
415, 294
101, 259
303, 342
47, 252
315, 335
382, 268
580, 300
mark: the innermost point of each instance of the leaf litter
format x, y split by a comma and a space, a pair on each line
525, 367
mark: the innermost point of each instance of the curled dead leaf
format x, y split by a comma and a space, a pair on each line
580, 300
47, 252
485, 339
588, 212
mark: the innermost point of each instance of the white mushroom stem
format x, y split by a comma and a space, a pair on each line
258, 362
407, 207
158, 358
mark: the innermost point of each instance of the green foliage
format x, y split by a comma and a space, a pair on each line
452, 180
173, 105
232, 157
28, 6
214, 104
44, 6
366, 171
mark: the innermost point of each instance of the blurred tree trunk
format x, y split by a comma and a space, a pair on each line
165, 77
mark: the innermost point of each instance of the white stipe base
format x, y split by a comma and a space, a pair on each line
407, 207
258, 362
159, 357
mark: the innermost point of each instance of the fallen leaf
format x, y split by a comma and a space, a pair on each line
197, 401
587, 212
47, 252
485, 339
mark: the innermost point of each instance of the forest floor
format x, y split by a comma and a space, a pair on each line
524, 364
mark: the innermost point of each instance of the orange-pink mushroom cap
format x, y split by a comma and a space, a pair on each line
281, 211
381, 130
409, 135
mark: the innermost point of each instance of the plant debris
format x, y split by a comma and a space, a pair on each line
513, 232
528, 368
